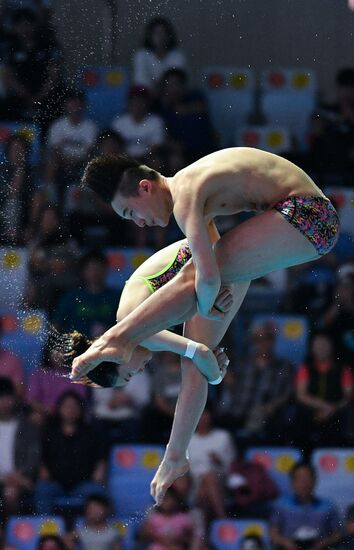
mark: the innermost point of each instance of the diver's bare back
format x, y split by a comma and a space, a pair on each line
238, 179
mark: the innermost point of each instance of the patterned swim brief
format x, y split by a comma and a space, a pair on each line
315, 217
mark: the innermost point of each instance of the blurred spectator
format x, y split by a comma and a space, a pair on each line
70, 140
252, 542
211, 452
48, 383
166, 381
324, 391
170, 526
347, 542
51, 542
118, 410
52, 256
255, 397
32, 71
140, 130
332, 135
96, 533
11, 367
338, 320
108, 142
251, 489
159, 53
302, 520
16, 181
19, 452
91, 309
73, 462
186, 116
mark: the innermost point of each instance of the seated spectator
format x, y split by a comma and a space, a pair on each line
303, 520
332, 133
141, 131
347, 542
251, 489
159, 52
52, 257
157, 418
73, 462
48, 383
70, 139
19, 453
186, 116
91, 309
96, 533
51, 542
11, 367
32, 71
211, 451
255, 397
324, 391
16, 191
118, 410
170, 526
338, 320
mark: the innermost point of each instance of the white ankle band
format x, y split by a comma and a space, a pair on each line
191, 349
217, 381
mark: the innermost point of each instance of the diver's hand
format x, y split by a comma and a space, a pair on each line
212, 364
224, 299
168, 471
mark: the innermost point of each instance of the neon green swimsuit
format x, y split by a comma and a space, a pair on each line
156, 281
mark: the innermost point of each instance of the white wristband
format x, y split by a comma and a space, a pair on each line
191, 349
217, 381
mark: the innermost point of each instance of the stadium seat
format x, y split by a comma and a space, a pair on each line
122, 262
288, 99
126, 529
291, 334
106, 90
230, 94
226, 534
23, 532
131, 471
273, 139
13, 275
25, 332
278, 461
335, 475
30, 132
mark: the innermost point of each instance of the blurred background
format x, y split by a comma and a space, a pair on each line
272, 460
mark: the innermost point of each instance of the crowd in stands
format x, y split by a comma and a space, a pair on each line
56, 437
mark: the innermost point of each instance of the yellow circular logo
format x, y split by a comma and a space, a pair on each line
293, 329
32, 323
284, 463
138, 259
352, 201
253, 530
121, 528
49, 528
275, 139
349, 463
11, 260
26, 133
151, 459
301, 80
114, 78
238, 80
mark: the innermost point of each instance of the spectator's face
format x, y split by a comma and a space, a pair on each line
7, 405
74, 106
159, 37
95, 513
94, 273
322, 347
50, 544
70, 410
303, 483
263, 342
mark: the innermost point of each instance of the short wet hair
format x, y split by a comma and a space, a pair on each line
107, 174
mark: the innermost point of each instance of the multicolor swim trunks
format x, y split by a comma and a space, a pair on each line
315, 217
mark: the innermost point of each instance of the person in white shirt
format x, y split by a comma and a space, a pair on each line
211, 451
140, 130
158, 54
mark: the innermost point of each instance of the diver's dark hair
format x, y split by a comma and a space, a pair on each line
104, 375
170, 31
108, 173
